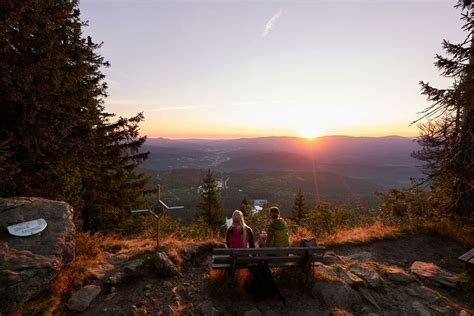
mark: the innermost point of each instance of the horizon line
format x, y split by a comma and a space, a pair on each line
274, 136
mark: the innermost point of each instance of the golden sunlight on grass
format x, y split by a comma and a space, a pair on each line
70, 278
463, 234
127, 247
373, 232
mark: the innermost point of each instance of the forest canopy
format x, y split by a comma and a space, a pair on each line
56, 139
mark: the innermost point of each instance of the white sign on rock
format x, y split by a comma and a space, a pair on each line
27, 228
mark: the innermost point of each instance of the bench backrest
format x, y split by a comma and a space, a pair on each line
276, 257
468, 257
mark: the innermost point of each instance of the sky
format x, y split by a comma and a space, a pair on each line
227, 69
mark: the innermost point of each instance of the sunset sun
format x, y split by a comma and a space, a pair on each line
310, 132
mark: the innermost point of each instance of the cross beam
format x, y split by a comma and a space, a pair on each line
165, 208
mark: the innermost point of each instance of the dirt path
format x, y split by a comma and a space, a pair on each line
405, 250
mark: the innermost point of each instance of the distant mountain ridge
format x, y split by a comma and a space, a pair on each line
385, 160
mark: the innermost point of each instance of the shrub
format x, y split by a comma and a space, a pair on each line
327, 219
408, 206
136, 225
88, 245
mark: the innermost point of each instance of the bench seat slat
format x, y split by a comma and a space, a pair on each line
467, 256
285, 250
227, 259
272, 265
239, 260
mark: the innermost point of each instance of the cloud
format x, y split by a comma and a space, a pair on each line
271, 23
184, 107
151, 106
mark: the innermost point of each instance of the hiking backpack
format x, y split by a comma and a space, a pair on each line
236, 238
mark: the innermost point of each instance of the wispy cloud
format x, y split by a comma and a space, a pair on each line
180, 108
271, 23
150, 106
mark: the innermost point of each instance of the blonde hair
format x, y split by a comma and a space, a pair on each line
239, 220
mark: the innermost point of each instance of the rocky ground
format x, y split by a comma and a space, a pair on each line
411, 275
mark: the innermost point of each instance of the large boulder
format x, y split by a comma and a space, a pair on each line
433, 275
28, 264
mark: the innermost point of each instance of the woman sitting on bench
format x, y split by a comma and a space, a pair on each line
239, 235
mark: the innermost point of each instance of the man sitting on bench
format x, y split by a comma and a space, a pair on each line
277, 232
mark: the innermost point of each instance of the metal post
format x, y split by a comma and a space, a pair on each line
158, 193
158, 233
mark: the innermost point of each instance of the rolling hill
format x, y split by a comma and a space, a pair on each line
386, 161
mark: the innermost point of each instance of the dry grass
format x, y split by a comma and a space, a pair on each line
127, 247
375, 231
299, 233
71, 277
445, 228
378, 231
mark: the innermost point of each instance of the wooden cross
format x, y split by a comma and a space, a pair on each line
164, 208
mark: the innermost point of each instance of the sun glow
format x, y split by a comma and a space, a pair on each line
310, 132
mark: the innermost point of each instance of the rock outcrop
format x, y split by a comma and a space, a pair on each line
28, 264
164, 266
368, 274
431, 274
81, 299
398, 275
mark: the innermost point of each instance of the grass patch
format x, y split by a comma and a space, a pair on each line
361, 235
39, 307
70, 278
113, 248
466, 282
465, 277
446, 228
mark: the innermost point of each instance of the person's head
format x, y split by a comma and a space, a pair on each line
238, 218
274, 212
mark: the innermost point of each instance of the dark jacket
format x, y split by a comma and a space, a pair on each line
277, 234
249, 237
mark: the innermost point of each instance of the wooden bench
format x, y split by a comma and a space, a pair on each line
243, 258
468, 259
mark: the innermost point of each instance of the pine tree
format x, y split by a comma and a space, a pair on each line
245, 207
299, 208
114, 186
59, 142
447, 139
210, 205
